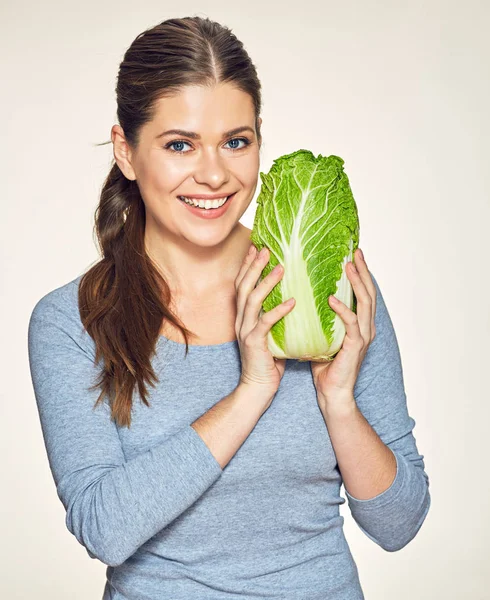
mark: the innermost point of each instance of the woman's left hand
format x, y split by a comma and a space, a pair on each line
335, 380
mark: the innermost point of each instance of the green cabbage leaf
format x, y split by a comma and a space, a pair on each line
307, 217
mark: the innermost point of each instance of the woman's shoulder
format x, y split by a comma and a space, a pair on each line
57, 313
62, 300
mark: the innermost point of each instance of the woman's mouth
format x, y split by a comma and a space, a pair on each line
207, 209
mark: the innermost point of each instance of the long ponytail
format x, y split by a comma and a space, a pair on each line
123, 298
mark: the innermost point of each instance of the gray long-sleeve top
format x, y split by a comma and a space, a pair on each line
152, 502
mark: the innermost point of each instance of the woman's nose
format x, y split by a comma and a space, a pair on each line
211, 169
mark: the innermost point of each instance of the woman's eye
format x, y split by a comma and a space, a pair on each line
176, 145
244, 140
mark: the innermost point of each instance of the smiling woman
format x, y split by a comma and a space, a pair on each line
207, 161
207, 470
176, 151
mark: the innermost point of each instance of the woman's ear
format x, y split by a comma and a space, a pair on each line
122, 152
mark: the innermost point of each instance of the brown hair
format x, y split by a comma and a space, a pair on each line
123, 299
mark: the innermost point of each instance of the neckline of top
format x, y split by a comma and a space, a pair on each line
198, 347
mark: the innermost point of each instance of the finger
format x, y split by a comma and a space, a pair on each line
248, 282
364, 302
349, 318
368, 282
258, 295
252, 251
247, 261
267, 319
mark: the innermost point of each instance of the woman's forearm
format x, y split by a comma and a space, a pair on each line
227, 424
367, 465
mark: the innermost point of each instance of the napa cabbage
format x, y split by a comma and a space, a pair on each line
307, 217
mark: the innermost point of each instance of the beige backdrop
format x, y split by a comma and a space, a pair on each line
401, 92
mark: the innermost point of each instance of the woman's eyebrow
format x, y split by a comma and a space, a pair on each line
196, 136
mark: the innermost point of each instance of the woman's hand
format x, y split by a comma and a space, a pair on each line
335, 380
259, 367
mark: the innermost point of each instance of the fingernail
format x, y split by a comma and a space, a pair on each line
353, 267
251, 249
263, 252
360, 252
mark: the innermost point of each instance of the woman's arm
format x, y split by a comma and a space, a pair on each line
371, 438
113, 506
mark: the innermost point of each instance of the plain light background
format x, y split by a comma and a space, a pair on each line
401, 92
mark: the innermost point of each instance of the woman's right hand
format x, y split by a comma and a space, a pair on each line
259, 368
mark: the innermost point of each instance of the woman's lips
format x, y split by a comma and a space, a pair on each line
210, 213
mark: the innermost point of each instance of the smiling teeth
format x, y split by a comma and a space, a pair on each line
207, 204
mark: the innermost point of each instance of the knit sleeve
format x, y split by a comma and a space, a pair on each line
392, 518
112, 506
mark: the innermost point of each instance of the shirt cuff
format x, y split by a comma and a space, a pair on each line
199, 453
389, 495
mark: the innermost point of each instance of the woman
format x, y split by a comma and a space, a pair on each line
223, 479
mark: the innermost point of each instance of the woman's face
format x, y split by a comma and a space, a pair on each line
207, 160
